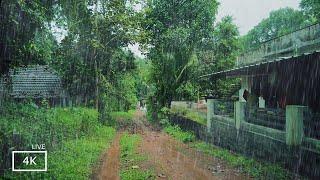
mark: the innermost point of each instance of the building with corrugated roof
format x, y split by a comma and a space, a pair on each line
33, 82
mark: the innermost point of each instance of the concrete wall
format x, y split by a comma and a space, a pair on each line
260, 142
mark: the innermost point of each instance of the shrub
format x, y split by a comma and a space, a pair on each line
123, 119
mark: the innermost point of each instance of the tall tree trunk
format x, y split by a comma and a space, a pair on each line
95, 60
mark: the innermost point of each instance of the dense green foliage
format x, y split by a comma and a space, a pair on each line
175, 33
218, 55
130, 159
72, 133
311, 8
90, 54
24, 34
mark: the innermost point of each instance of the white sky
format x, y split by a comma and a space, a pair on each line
248, 13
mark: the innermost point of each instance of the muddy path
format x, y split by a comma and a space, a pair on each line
174, 160
109, 162
169, 158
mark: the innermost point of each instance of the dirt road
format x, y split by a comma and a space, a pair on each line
171, 159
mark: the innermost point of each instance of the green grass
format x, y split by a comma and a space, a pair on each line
73, 137
122, 115
178, 134
75, 158
189, 114
130, 159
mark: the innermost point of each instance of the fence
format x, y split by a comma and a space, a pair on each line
312, 125
272, 118
302, 41
273, 135
224, 108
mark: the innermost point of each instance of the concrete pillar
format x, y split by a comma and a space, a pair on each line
262, 102
245, 85
294, 124
210, 113
239, 113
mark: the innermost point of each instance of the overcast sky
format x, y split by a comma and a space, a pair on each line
248, 13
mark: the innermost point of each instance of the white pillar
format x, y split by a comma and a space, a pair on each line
294, 124
210, 113
239, 113
262, 102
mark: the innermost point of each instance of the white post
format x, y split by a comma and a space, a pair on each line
210, 113
239, 113
294, 124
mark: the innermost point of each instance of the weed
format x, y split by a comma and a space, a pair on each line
130, 159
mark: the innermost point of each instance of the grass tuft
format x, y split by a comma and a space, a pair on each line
130, 159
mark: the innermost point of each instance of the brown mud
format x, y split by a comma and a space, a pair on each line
169, 158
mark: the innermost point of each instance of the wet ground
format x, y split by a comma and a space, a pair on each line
169, 158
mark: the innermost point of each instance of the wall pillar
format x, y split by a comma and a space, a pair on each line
262, 102
239, 113
245, 85
210, 112
294, 124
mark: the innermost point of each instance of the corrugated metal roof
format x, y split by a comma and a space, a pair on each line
239, 70
35, 82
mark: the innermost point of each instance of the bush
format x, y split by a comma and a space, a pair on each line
123, 119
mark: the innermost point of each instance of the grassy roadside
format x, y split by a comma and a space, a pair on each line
74, 139
75, 158
252, 167
131, 161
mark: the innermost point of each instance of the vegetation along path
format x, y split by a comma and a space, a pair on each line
167, 157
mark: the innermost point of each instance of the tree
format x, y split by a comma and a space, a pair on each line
311, 8
279, 22
20, 21
221, 55
176, 29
